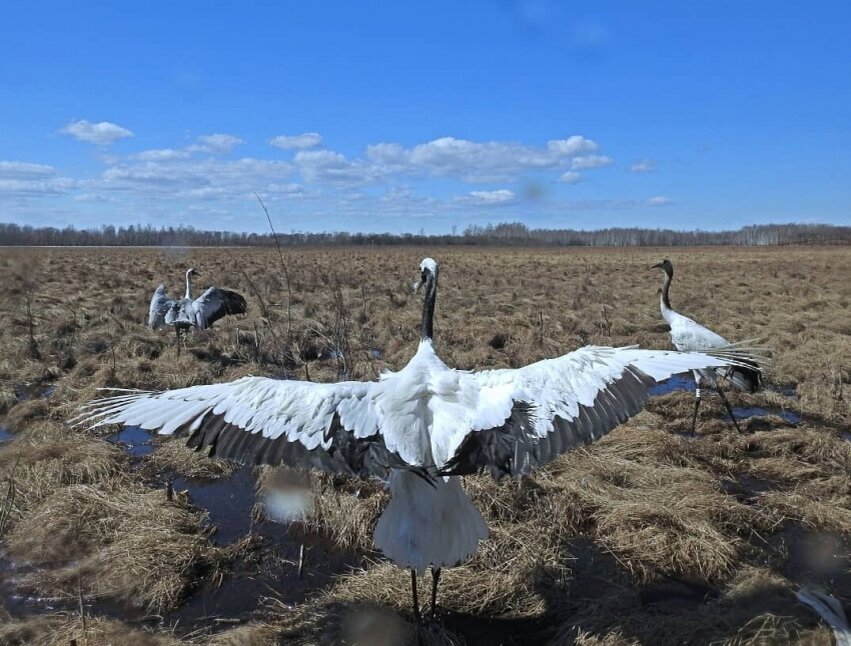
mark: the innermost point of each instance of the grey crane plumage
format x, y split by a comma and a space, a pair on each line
689, 336
418, 429
160, 305
186, 312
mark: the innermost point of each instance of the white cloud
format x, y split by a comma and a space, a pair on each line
574, 145
590, 161
491, 198
216, 143
659, 200
332, 167
472, 161
24, 170
91, 198
643, 166
102, 133
388, 155
161, 154
211, 178
299, 142
405, 180
25, 179
36, 187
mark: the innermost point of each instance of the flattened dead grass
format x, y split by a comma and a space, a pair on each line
124, 542
64, 629
173, 455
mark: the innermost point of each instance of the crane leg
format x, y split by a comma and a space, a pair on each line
177, 339
435, 578
415, 597
696, 406
729, 408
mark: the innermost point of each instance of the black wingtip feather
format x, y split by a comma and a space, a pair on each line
234, 302
748, 380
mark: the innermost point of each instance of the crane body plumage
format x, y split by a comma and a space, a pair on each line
419, 428
688, 335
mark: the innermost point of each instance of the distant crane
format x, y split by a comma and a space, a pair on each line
689, 336
418, 428
184, 313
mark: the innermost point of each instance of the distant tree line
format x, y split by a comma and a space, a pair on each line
506, 234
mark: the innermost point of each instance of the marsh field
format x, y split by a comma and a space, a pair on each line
649, 536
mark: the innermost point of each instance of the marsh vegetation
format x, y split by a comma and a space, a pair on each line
649, 536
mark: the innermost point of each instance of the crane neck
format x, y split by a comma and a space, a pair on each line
665, 301
188, 293
428, 307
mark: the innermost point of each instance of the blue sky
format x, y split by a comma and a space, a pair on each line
408, 116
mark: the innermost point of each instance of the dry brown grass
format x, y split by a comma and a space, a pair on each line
650, 505
253, 634
46, 457
62, 629
122, 542
173, 455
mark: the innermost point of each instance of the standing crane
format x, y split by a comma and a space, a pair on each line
690, 336
184, 313
418, 429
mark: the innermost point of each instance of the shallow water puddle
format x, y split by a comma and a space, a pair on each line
274, 572
676, 383
758, 411
136, 441
270, 571
812, 557
6, 435
228, 501
26, 392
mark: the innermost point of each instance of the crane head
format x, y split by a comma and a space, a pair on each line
428, 271
665, 266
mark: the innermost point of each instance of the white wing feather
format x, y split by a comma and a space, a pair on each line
552, 388
301, 411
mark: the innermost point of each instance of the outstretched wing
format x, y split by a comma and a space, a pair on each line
256, 420
519, 419
160, 304
216, 303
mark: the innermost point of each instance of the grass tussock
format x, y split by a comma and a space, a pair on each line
125, 542
173, 455
345, 511
255, 633
46, 457
26, 412
64, 629
657, 519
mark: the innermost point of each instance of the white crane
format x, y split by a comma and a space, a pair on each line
184, 313
690, 336
418, 428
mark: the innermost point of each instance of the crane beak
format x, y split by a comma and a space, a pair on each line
656, 266
417, 284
